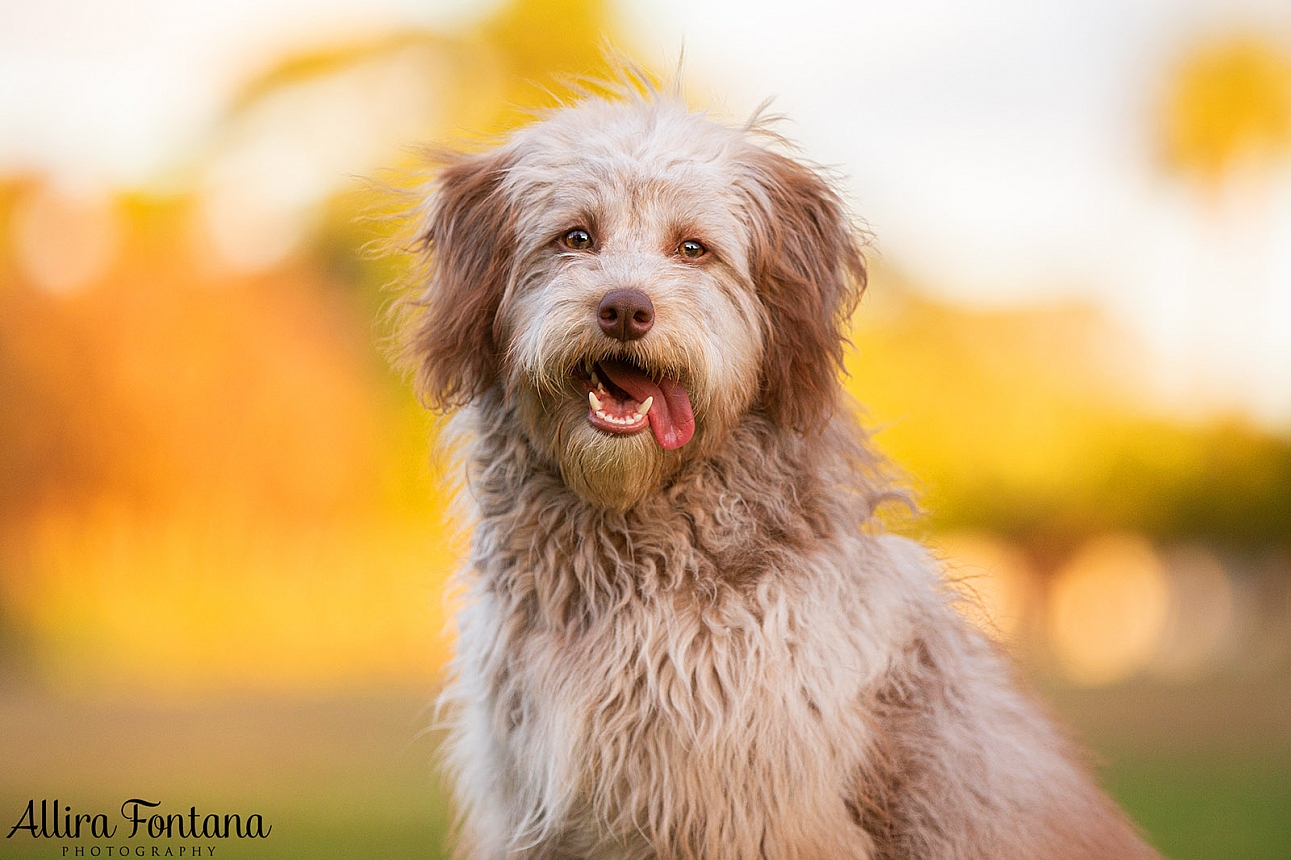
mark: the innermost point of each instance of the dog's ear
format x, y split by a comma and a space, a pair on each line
468, 239
809, 272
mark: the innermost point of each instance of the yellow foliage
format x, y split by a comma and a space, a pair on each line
544, 45
202, 602
1229, 104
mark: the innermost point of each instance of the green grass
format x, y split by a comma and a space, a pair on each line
1208, 810
346, 779
1191, 810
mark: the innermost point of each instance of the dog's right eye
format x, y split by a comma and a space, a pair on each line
577, 239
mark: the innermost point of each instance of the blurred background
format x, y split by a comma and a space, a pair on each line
222, 540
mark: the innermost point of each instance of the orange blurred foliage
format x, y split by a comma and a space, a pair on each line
165, 388
209, 477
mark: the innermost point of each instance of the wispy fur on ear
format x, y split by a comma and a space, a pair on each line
468, 239
809, 272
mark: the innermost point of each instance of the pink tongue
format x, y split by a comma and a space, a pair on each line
671, 418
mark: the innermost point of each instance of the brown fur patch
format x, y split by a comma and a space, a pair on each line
915, 798
810, 274
469, 242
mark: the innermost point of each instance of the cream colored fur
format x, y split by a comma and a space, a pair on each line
711, 652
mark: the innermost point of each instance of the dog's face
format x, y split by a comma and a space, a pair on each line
637, 279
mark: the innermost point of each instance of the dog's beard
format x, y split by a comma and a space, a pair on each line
614, 472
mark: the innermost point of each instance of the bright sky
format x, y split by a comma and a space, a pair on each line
1001, 151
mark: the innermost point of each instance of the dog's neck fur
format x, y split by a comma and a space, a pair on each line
718, 521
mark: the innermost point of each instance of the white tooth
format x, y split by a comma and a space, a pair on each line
594, 400
596, 382
645, 405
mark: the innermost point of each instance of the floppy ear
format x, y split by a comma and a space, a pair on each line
809, 273
468, 239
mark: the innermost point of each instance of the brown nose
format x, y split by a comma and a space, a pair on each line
626, 314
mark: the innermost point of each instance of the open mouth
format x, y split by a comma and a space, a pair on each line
624, 398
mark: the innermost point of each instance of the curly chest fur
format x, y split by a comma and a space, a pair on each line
678, 725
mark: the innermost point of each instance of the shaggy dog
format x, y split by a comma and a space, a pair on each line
684, 636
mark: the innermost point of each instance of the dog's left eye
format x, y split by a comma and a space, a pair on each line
691, 249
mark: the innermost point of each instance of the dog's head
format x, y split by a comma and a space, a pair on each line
635, 279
